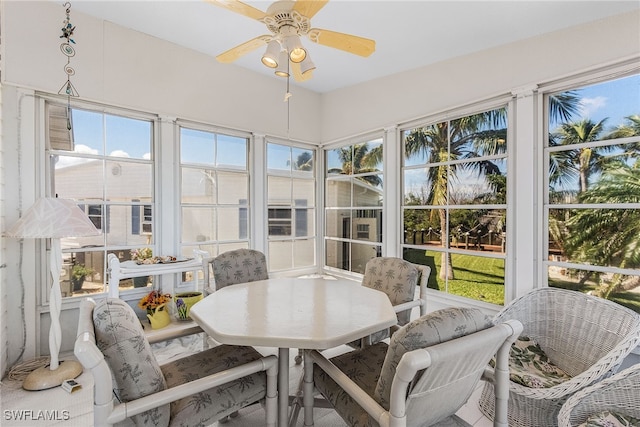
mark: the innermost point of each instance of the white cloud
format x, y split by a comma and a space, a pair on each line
119, 153
589, 106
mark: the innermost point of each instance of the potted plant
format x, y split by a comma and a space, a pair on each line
78, 273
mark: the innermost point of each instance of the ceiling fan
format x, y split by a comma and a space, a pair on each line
288, 20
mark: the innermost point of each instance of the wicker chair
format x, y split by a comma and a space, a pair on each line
619, 394
422, 378
585, 336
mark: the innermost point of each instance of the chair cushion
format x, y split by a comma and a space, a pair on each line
135, 371
239, 266
361, 366
610, 419
529, 366
208, 406
395, 277
433, 328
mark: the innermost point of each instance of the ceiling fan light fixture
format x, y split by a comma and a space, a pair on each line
270, 57
297, 52
283, 64
307, 65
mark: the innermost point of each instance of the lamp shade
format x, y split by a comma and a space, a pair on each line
53, 218
297, 53
270, 57
283, 64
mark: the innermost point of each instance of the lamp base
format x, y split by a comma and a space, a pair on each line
44, 378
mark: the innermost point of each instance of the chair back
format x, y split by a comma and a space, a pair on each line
434, 363
239, 266
395, 277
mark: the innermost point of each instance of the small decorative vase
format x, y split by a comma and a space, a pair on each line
158, 317
184, 301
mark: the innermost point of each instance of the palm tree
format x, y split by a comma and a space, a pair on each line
358, 159
608, 236
466, 138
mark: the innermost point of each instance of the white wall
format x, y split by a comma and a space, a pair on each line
117, 66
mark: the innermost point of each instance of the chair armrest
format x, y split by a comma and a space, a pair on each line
367, 403
123, 411
407, 305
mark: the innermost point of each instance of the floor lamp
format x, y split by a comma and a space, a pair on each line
53, 218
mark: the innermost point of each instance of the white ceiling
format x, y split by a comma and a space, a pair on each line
408, 34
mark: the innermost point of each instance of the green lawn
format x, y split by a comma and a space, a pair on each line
625, 298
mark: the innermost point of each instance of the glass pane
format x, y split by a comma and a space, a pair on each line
118, 222
82, 242
338, 223
304, 253
279, 190
361, 254
337, 254
482, 182
422, 227
367, 190
339, 161
422, 145
596, 112
304, 192
88, 132
126, 137
198, 186
604, 237
416, 187
477, 229
232, 223
367, 225
280, 222
233, 188
232, 152
278, 158
197, 147
478, 278
303, 160
79, 179
129, 181
622, 289
280, 255
198, 224
478, 135
367, 157
338, 193
304, 222
82, 273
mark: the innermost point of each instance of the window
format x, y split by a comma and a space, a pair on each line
105, 164
353, 204
454, 204
291, 206
592, 197
214, 190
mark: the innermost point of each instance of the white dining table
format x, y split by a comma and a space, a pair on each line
303, 313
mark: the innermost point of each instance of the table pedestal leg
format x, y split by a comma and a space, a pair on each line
283, 386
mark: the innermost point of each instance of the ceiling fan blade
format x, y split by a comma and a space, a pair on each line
241, 8
309, 8
246, 47
347, 42
297, 72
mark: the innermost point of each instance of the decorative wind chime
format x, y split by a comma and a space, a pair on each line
68, 50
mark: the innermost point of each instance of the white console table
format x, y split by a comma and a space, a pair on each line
128, 269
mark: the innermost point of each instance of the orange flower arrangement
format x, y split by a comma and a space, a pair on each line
154, 300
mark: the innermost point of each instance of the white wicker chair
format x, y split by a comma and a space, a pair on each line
618, 394
585, 336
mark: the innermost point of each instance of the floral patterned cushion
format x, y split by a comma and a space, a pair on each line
363, 367
610, 419
239, 266
530, 366
433, 328
206, 407
135, 370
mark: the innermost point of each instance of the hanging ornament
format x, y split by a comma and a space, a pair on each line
68, 50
